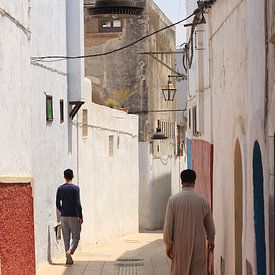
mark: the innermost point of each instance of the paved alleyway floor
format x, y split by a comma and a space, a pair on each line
141, 254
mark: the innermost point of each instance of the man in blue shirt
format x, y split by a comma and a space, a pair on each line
68, 203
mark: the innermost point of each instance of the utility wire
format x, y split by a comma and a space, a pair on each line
60, 58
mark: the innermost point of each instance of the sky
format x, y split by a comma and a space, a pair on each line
175, 11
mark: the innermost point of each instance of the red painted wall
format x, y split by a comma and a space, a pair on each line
202, 163
16, 230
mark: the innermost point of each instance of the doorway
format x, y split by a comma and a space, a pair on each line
238, 207
259, 213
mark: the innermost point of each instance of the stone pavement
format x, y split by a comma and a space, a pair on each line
141, 254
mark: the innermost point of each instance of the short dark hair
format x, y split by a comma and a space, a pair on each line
188, 176
68, 174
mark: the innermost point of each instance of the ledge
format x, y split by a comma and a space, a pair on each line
16, 179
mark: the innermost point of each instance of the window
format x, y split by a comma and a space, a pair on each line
117, 24
189, 118
110, 25
84, 123
194, 119
106, 24
61, 103
111, 146
49, 108
118, 142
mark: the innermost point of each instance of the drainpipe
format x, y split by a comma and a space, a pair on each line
75, 68
75, 47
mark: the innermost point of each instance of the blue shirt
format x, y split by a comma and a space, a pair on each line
68, 201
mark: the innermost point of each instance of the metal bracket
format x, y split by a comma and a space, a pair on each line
76, 106
165, 65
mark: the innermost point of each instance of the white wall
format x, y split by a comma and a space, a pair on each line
159, 179
271, 134
54, 144
30, 145
232, 107
109, 185
15, 132
198, 82
179, 164
238, 88
181, 95
145, 186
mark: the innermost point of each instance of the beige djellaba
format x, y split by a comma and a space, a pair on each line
188, 223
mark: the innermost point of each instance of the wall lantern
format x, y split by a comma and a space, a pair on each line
117, 8
169, 91
158, 135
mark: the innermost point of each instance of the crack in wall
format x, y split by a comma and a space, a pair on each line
51, 69
226, 19
20, 25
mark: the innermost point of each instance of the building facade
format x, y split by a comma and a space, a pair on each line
199, 142
234, 107
38, 137
134, 70
108, 171
54, 87
129, 69
16, 178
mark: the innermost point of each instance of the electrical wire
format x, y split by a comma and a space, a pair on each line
60, 58
199, 18
189, 47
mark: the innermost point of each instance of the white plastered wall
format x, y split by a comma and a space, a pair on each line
15, 133
108, 184
54, 144
238, 87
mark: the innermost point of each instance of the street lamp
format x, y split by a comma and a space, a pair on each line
169, 90
120, 8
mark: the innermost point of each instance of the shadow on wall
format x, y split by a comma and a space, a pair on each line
161, 191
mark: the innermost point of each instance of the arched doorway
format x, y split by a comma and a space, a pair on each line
238, 207
259, 213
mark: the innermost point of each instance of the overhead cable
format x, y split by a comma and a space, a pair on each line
60, 57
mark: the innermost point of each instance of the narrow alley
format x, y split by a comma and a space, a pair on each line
120, 117
140, 254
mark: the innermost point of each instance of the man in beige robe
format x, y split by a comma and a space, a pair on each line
188, 219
